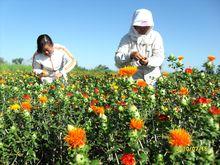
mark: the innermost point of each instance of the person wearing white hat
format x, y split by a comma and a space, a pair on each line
142, 47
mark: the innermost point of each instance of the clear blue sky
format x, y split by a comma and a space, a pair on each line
92, 29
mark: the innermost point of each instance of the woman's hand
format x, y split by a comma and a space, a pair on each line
137, 56
144, 61
58, 74
44, 73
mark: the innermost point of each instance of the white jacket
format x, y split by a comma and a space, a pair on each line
149, 45
60, 61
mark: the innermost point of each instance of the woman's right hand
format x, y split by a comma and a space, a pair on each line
44, 73
137, 56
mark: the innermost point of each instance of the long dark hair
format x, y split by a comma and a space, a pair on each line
43, 40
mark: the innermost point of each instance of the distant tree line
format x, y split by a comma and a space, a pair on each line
14, 61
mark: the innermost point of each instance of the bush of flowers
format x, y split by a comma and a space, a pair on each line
112, 119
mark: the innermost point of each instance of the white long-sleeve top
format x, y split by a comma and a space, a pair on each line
61, 60
149, 45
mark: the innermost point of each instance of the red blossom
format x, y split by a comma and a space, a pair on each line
122, 103
96, 90
94, 102
128, 159
163, 117
69, 94
107, 106
201, 100
188, 70
26, 97
214, 110
135, 90
85, 95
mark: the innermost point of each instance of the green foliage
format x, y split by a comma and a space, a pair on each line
1, 61
17, 61
36, 136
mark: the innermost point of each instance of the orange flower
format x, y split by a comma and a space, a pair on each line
188, 70
183, 91
128, 159
211, 58
26, 105
43, 99
141, 83
123, 97
98, 110
2, 81
76, 138
165, 74
179, 137
127, 71
180, 58
136, 124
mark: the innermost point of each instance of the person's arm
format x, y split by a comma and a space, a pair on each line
122, 55
68, 61
157, 51
37, 69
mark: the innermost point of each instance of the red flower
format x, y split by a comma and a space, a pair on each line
26, 97
69, 94
163, 117
107, 106
188, 70
135, 90
122, 103
202, 100
85, 95
128, 159
214, 110
94, 102
96, 90
52, 87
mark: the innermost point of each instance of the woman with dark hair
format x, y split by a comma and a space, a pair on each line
51, 61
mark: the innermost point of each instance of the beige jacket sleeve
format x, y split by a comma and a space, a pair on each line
157, 57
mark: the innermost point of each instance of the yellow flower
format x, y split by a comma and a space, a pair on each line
114, 86
42, 99
15, 107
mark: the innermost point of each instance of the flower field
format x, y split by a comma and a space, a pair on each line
112, 119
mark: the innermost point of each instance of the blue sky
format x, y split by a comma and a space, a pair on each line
92, 29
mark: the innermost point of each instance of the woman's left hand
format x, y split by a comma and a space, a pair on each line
58, 75
144, 61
